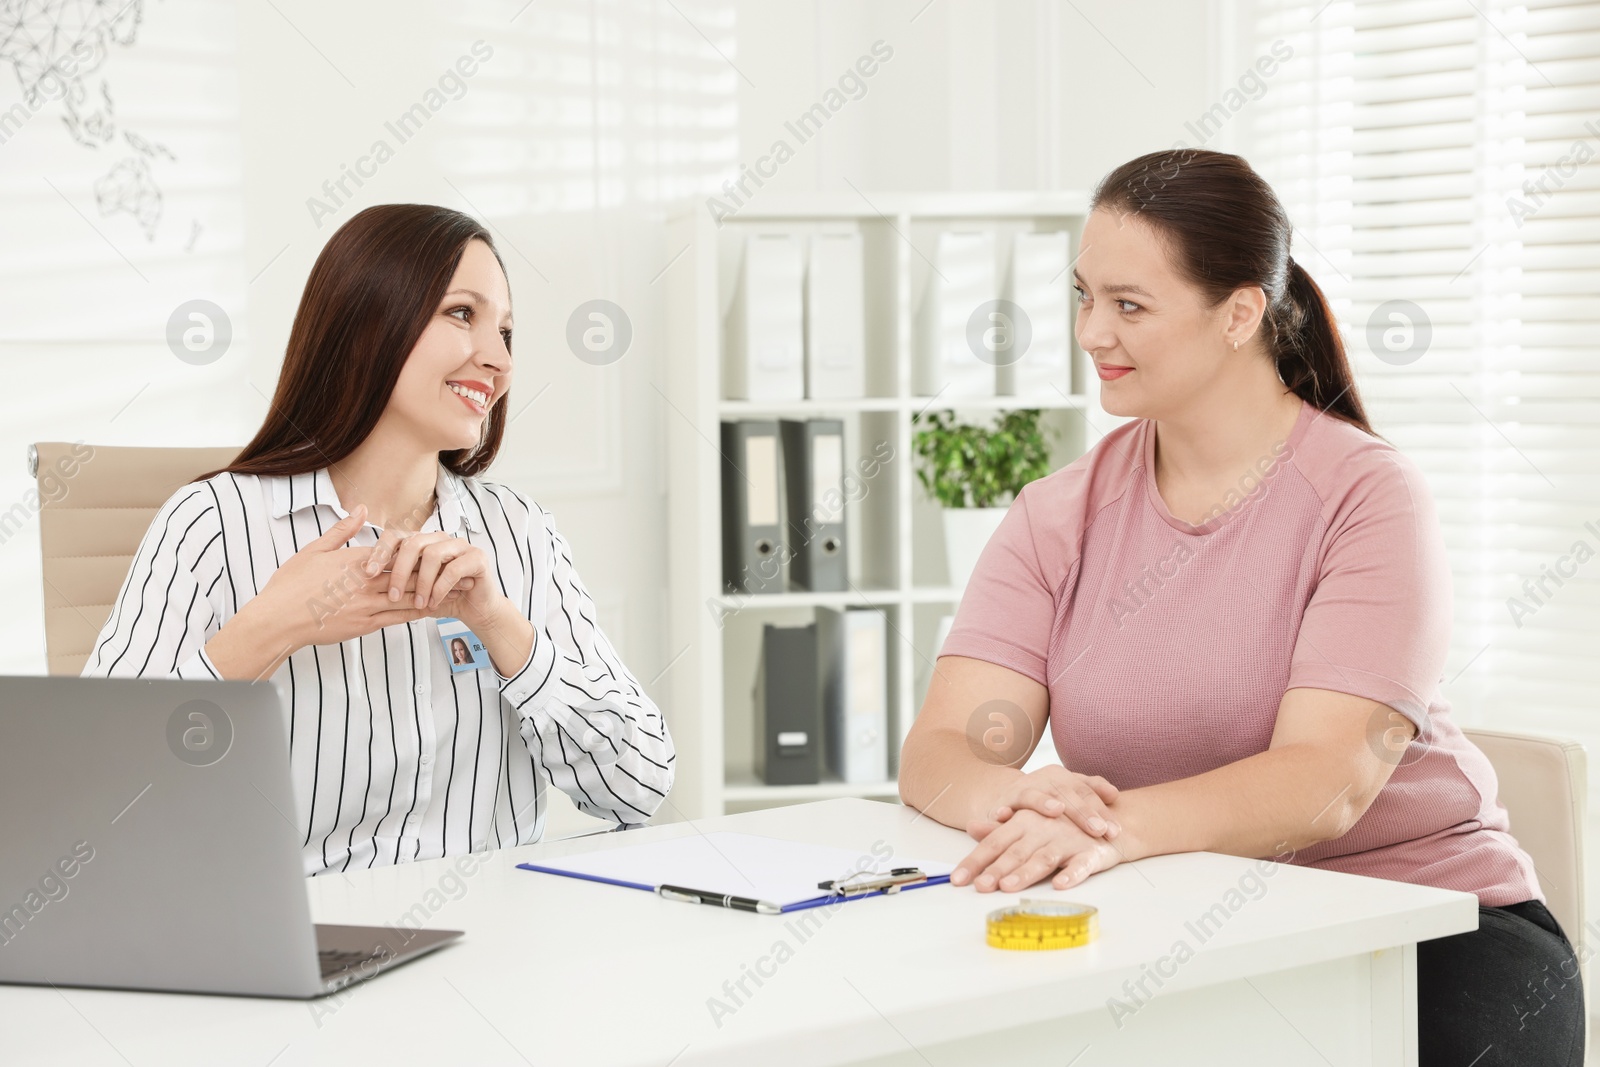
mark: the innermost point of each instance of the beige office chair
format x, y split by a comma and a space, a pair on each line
95, 503
1544, 784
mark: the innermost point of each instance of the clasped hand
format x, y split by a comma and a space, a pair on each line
1052, 823
326, 593
444, 567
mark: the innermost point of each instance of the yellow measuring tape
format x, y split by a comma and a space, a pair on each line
1040, 924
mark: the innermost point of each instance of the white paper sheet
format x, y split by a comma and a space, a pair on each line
746, 865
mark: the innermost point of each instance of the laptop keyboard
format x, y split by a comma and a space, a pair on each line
337, 961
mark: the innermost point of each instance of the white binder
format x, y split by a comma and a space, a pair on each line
1039, 282
762, 349
835, 318
963, 279
853, 650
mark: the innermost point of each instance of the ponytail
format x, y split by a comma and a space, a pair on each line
1309, 352
1228, 229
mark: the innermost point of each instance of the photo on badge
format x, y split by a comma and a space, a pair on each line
463, 650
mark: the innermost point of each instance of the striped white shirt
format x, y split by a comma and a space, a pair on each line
394, 758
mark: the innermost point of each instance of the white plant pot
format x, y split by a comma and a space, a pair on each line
966, 531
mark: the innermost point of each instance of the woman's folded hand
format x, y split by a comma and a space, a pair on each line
1029, 847
1055, 792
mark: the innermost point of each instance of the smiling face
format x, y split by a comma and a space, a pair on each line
465, 348
1134, 310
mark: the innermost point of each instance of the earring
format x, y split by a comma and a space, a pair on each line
1236, 346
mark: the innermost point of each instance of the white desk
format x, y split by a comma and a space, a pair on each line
1319, 968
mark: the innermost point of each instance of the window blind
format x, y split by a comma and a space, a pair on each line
598, 106
1440, 153
121, 202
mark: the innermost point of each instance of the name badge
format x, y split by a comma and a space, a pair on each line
463, 649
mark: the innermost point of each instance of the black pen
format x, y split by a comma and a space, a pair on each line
718, 900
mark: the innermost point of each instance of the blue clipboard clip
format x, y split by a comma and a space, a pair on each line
893, 882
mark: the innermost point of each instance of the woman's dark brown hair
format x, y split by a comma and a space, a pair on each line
1226, 229
371, 293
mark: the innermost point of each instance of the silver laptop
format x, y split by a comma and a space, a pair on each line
150, 842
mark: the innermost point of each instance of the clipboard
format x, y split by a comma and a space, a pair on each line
723, 862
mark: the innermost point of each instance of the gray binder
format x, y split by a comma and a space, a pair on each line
852, 649
813, 461
752, 540
788, 714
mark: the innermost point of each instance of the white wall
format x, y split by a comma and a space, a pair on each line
1005, 94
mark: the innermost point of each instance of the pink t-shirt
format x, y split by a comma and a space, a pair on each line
1167, 647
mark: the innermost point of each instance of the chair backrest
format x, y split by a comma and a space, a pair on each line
1544, 785
95, 503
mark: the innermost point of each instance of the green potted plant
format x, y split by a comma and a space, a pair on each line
974, 471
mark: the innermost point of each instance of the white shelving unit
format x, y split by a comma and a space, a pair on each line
894, 533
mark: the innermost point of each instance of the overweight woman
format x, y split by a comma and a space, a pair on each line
1232, 615
327, 555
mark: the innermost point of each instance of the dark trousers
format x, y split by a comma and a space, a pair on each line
1508, 994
